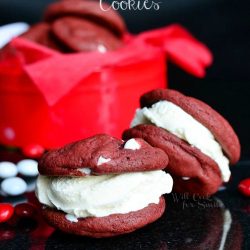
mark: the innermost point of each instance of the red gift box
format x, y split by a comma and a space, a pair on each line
50, 99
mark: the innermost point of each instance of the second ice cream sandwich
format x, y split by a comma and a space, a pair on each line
200, 143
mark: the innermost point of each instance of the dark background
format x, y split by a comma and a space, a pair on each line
224, 25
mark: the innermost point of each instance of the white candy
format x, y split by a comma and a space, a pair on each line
7, 169
132, 144
14, 186
27, 167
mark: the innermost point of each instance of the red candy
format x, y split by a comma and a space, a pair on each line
6, 211
33, 150
244, 187
25, 210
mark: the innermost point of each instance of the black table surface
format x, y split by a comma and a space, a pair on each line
189, 222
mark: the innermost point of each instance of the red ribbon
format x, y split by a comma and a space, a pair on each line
181, 48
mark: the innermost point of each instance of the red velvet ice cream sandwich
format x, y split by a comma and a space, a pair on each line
103, 186
200, 143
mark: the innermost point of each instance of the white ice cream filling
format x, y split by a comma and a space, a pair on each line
103, 195
171, 117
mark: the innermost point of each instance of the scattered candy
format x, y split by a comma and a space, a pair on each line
7, 169
33, 151
27, 167
25, 210
244, 187
6, 211
13, 186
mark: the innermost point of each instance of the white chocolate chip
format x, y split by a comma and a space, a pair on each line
85, 170
185, 178
102, 160
71, 218
101, 48
132, 144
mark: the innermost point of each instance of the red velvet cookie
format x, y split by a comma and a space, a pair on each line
107, 226
218, 125
192, 170
102, 186
88, 10
101, 154
184, 160
81, 35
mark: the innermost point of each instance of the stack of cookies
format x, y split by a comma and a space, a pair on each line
76, 25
